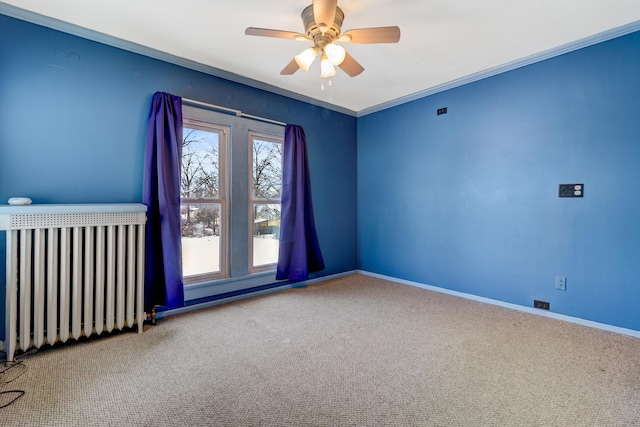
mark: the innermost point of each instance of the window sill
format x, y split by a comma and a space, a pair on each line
211, 288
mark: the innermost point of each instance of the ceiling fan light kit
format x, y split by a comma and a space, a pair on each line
327, 70
322, 22
335, 53
305, 58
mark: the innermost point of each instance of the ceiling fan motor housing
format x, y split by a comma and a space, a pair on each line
313, 31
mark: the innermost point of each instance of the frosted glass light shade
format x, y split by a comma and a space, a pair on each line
326, 68
305, 58
335, 53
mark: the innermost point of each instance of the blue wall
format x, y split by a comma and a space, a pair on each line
72, 126
468, 201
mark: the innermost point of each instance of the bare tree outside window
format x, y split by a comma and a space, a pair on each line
267, 169
200, 180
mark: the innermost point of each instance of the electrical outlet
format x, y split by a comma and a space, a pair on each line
541, 304
571, 190
561, 283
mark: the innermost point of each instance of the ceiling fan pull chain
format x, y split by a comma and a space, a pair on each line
330, 82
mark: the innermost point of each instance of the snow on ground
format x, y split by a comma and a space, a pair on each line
202, 254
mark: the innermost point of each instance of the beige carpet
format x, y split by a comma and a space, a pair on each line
354, 351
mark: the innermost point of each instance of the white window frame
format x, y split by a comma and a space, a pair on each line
222, 199
252, 135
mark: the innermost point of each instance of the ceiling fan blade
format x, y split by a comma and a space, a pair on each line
324, 13
291, 68
372, 35
265, 32
351, 66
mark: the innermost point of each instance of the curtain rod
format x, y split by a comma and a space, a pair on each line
237, 113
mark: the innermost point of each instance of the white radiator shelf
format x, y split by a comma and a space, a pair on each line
15, 217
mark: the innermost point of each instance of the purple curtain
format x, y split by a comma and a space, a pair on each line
299, 249
161, 194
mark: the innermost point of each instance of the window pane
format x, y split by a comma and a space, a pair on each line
267, 169
200, 238
200, 164
266, 234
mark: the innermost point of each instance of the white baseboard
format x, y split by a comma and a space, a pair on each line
563, 317
577, 320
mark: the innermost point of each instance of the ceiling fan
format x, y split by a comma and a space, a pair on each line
322, 25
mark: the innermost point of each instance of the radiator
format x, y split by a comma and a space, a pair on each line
72, 271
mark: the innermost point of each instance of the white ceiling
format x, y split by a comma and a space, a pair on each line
442, 41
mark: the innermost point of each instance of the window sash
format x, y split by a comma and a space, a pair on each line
221, 200
254, 260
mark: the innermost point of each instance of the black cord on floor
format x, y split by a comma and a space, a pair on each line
19, 392
10, 372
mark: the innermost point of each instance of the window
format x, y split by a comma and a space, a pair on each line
203, 201
230, 202
264, 204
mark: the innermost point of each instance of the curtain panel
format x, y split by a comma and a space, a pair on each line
161, 193
299, 253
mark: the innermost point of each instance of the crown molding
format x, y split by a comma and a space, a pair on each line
523, 62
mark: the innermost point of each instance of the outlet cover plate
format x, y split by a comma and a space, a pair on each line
561, 283
541, 304
571, 190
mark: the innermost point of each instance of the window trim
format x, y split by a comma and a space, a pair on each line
240, 279
223, 197
263, 136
